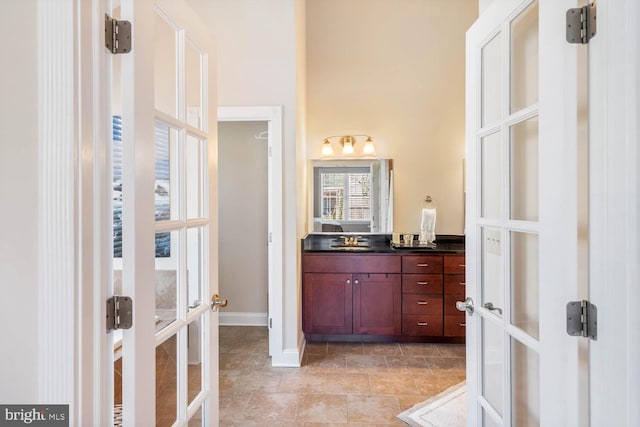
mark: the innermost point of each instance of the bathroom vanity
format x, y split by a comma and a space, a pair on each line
370, 290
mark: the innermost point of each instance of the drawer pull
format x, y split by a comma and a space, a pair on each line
462, 283
462, 265
422, 323
423, 302
422, 283
462, 324
423, 265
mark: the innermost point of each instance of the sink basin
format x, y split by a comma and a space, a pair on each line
350, 247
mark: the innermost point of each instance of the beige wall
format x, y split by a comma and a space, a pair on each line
395, 70
19, 213
257, 66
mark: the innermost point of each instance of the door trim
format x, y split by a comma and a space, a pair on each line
57, 246
71, 133
65, 233
614, 213
272, 115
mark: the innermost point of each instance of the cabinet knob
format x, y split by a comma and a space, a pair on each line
348, 281
355, 282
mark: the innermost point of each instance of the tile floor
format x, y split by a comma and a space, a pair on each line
361, 384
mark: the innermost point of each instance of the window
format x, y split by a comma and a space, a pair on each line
345, 194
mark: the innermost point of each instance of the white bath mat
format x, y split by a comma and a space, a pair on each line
447, 409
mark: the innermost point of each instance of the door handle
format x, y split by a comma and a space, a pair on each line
216, 302
466, 305
489, 306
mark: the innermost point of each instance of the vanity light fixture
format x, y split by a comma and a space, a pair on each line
327, 149
369, 148
348, 142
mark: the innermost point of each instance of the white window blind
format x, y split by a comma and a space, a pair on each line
345, 196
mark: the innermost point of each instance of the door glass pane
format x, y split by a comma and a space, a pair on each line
524, 58
166, 382
487, 421
491, 170
524, 283
492, 80
193, 85
196, 420
523, 174
525, 385
492, 278
194, 359
166, 167
195, 254
165, 67
117, 385
194, 178
492, 364
166, 278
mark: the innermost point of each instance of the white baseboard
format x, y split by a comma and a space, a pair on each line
289, 358
243, 319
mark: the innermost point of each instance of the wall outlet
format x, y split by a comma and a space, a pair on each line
493, 241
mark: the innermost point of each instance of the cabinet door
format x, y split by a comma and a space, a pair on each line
377, 304
327, 303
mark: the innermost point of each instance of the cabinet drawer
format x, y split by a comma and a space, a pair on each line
454, 284
421, 264
450, 304
454, 326
340, 263
421, 304
422, 283
454, 264
421, 326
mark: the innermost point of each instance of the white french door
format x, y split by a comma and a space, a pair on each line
522, 220
162, 125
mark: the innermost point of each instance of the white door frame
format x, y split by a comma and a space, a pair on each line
614, 212
272, 115
71, 133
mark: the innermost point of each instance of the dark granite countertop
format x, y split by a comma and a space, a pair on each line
378, 243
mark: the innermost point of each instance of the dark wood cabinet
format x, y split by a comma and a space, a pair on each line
327, 303
358, 294
422, 264
376, 304
422, 295
410, 297
454, 290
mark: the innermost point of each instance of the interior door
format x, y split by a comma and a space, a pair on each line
163, 123
522, 367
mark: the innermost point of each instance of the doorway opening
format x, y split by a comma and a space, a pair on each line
250, 209
243, 229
